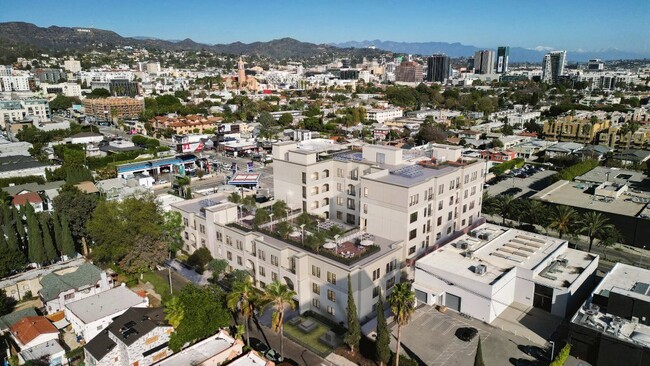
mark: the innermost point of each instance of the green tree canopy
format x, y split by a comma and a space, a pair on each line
203, 315
77, 207
382, 343
120, 228
353, 336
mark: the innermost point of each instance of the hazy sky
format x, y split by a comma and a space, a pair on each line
560, 24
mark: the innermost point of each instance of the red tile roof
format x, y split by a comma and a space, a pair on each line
30, 197
28, 328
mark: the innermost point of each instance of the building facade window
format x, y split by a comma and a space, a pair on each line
331, 296
331, 278
315, 271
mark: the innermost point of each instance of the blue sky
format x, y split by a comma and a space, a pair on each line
561, 24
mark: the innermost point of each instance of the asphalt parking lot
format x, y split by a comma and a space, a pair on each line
528, 186
431, 335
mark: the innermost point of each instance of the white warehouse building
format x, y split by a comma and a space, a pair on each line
485, 271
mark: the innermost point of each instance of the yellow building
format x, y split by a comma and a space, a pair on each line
575, 130
619, 137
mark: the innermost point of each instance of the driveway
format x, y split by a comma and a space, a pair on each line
431, 336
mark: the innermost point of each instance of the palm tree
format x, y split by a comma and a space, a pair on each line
505, 206
242, 299
279, 296
402, 302
563, 219
593, 225
174, 312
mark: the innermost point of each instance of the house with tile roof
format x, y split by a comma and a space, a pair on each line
28, 198
59, 289
37, 339
33, 330
139, 337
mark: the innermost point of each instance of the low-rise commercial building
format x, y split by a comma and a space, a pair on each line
613, 326
483, 272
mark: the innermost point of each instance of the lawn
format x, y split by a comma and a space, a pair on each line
160, 285
311, 339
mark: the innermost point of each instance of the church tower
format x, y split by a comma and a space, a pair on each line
241, 74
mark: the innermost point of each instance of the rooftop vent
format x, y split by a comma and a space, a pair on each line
480, 269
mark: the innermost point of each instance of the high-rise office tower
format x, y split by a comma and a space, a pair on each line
438, 68
484, 62
553, 66
503, 54
409, 71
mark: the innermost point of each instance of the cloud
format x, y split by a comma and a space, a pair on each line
542, 48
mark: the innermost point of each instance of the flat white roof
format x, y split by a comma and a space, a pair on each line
498, 248
250, 359
105, 304
201, 351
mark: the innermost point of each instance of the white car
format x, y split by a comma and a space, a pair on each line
163, 181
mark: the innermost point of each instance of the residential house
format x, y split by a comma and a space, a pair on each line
47, 191
562, 149
29, 198
631, 156
26, 283
138, 337
37, 338
89, 316
22, 166
498, 155
212, 351
60, 289
252, 358
598, 152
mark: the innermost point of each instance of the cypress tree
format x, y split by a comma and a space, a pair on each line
382, 343
66, 238
48, 244
353, 335
20, 227
58, 237
35, 249
6, 215
478, 359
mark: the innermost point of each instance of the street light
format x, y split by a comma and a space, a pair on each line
552, 349
641, 257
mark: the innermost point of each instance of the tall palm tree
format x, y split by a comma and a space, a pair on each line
174, 312
563, 219
278, 296
402, 304
593, 225
242, 299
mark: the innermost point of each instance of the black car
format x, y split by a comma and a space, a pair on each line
527, 362
466, 334
258, 345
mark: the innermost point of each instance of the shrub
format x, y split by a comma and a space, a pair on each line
5, 182
561, 357
503, 167
199, 259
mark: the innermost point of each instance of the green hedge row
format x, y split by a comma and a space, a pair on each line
5, 182
508, 165
576, 170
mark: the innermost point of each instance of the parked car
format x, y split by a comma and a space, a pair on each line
163, 181
466, 334
258, 345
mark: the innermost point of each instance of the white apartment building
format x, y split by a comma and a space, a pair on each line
483, 272
383, 115
19, 110
403, 202
383, 190
72, 65
319, 281
105, 75
67, 89
17, 83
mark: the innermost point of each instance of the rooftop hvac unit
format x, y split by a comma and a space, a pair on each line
461, 244
480, 269
473, 233
469, 254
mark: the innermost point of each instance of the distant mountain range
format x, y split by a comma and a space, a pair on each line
25, 39
517, 54
20, 39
